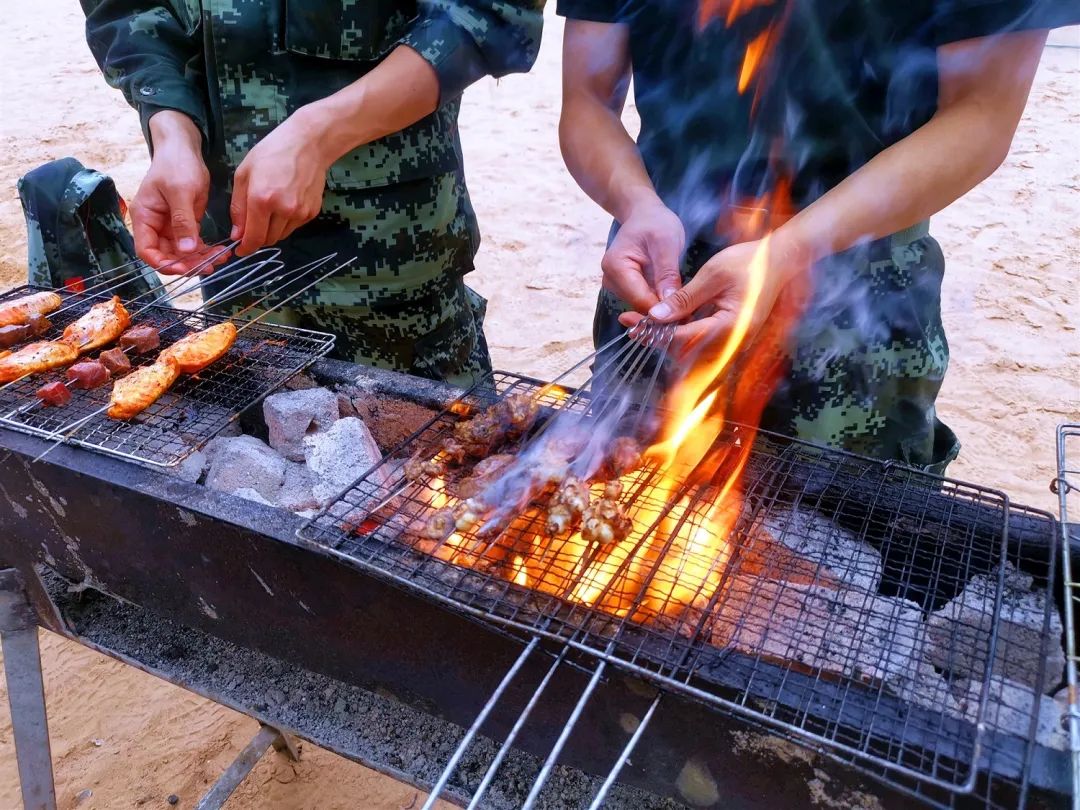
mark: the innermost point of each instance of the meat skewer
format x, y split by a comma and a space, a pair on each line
116, 361
143, 387
12, 334
141, 339
88, 374
604, 522
55, 394
21, 310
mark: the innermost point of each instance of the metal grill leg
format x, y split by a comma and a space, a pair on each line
229, 781
26, 694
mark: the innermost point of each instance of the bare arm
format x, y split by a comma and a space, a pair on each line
642, 264
983, 87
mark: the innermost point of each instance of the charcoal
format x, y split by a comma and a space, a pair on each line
822, 542
297, 491
846, 633
249, 494
191, 468
1009, 707
340, 456
244, 462
293, 415
959, 633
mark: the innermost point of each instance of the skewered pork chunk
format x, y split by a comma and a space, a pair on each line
116, 361
140, 389
55, 394
35, 357
484, 474
21, 310
196, 351
35, 326
604, 522
103, 324
568, 504
624, 456
417, 467
88, 374
140, 339
460, 518
522, 411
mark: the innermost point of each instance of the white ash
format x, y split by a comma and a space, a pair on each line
245, 462
340, 456
819, 540
247, 493
191, 468
297, 492
1009, 706
959, 633
291, 416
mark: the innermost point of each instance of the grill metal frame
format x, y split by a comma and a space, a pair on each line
757, 689
197, 407
1067, 488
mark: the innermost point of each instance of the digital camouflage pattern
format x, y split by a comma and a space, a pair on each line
239, 68
75, 231
868, 357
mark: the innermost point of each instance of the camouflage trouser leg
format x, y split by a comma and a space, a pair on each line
402, 304
866, 360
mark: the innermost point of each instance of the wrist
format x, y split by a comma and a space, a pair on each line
170, 129
639, 200
793, 250
327, 130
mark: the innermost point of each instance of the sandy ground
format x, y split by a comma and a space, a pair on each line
1012, 309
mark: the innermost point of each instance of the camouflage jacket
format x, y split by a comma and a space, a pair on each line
238, 68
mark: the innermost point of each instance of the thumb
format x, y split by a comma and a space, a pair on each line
185, 226
682, 302
664, 262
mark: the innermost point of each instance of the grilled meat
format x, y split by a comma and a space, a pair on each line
140, 389
116, 361
196, 351
36, 326
88, 374
103, 324
140, 339
521, 410
484, 474
36, 357
21, 310
55, 393
604, 522
624, 456
461, 517
417, 467
568, 504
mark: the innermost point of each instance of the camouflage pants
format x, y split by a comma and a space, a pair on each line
402, 303
867, 359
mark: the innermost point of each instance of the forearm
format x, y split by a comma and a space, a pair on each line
602, 157
399, 92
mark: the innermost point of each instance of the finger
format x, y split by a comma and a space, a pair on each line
277, 228
254, 227
664, 260
185, 227
682, 302
701, 335
238, 204
631, 319
624, 279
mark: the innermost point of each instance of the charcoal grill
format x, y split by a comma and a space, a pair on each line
180, 556
197, 408
934, 535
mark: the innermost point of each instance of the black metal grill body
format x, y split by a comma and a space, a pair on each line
231, 568
191, 413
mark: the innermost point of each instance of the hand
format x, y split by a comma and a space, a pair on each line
279, 185
171, 200
735, 293
642, 264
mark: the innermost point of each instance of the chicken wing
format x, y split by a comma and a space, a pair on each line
133, 394
36, 357
19, 311
196, 351
103, 324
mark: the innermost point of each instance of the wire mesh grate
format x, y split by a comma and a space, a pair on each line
847, 603
197, 407
1067, 488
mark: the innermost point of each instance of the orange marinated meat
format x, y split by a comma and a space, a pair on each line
133, 394
196, 351
103, 324
20, 311
37, 357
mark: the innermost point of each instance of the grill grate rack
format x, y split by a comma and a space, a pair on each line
830, 647
198, 407
1067, 488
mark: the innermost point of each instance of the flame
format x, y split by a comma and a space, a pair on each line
754, 57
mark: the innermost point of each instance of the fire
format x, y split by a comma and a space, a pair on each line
754, 57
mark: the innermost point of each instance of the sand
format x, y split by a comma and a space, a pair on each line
1011, 308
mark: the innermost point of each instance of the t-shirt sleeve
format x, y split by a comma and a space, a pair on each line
956, 20
605, 11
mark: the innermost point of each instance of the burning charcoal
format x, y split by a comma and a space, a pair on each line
244, 462
959, 633
116, 361
55, 394
293, 415
1009, 706
821, 542
568, 504
298, 491
341, 455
